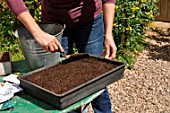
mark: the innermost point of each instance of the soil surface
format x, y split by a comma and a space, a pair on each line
65, 76
146, 88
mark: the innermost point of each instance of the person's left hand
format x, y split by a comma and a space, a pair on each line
110, 47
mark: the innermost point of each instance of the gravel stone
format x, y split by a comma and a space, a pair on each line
146, 88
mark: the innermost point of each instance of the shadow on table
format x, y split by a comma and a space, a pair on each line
157, 50
22, 67
31, 101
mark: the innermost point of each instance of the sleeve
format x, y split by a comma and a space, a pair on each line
108, 1
16, 6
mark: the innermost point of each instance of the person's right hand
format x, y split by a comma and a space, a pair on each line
47, 41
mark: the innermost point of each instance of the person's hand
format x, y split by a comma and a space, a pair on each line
48, 42
110, 47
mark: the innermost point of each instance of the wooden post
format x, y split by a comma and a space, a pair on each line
164, 10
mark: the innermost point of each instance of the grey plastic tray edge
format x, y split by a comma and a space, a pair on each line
66, 99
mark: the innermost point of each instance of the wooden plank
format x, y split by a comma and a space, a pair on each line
159, 11
168, 12
164, 10
165, 15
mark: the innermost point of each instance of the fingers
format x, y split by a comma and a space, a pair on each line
60, 48
113, 54
107, 52
53, 46
110, 52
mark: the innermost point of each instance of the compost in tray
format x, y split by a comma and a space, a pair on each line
66, 76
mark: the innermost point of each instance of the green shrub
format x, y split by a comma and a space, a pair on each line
131, 19
9, 23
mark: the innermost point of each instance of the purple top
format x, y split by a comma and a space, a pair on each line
63, 11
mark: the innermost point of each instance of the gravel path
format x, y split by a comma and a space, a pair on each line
146, 88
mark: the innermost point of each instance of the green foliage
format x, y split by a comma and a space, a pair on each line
9, 23
131, 19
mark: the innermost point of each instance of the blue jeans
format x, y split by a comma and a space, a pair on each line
88, 38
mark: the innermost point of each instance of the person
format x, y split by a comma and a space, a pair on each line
86, 26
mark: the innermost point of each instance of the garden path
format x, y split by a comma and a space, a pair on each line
146, 88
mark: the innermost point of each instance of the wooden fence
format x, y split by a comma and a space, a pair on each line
164, 10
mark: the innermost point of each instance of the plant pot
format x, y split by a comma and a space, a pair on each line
5, 63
